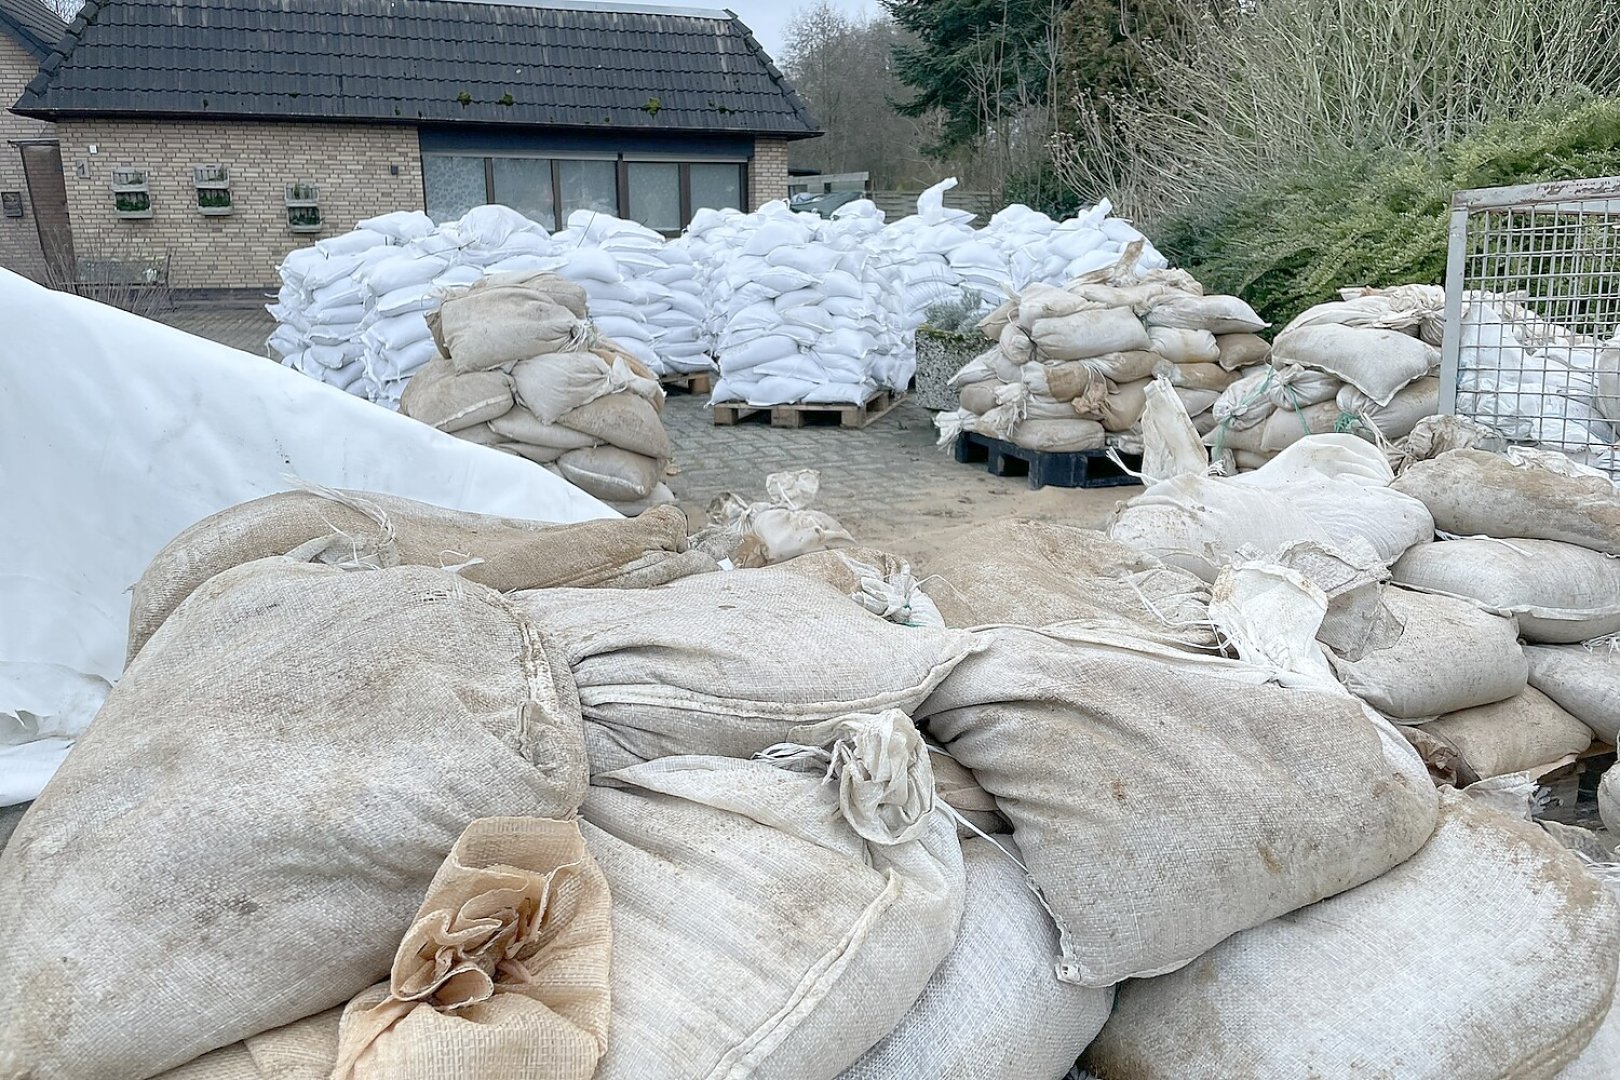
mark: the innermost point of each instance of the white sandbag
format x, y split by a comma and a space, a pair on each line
1440, 654
1597, 1060
1560, 592
994, 1006
1164, 800
1217, 314
1477, 493
1412, 403
1324, 488
1088, 333
266, 855
1609, 800
1504, 737
766, 923
1184, 346
1170, 443
1389, 973
1585, 679
610, 473
1294, 387
1202, 376
723, 664
1245, 403
1377, 362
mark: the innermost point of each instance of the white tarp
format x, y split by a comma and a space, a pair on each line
115, 434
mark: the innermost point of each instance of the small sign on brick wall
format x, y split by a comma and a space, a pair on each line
11, 203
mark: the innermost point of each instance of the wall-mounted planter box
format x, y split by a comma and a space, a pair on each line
131, 197
303, 208
213, 183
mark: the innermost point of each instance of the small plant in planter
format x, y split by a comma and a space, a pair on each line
214, 200
131, 198
213, 184
303, 208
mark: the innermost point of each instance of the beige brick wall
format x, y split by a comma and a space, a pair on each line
768, 172
350, 162
19, 237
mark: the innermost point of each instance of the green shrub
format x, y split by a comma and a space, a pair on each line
1377, 218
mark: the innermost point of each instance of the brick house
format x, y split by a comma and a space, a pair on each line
30, 170
223, 133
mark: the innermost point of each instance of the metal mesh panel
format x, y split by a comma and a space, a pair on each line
1532, 309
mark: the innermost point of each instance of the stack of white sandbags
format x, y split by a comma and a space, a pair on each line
806, 315
610, 259
1366, 364
1072, 365
523, 371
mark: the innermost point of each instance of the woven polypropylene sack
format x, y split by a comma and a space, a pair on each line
381, 530
304, 1050
253, 816
439, 396
1035, 573
1164, 800
486, 328
1449, 655
503, 974
1597, 1061
1439, 968
756, 934
1609, 800
1560, 592
731, 663
1585, 679
1520, 733
1478, 493
1375, 361
994, 1008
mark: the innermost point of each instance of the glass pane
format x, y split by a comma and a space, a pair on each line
524, 184
589, 185
716, 187
453, 185
655, 195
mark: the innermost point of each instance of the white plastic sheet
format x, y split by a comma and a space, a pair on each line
115, 434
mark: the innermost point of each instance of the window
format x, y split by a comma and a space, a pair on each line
453, 185
716, 187
588, 185
655, 194
524, 184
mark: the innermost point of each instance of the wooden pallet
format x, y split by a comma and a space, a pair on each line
1084, 469
697, 382
880, 404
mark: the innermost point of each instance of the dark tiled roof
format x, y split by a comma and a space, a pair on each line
586, 66
32, 24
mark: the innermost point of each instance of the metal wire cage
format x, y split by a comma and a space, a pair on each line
1532, 310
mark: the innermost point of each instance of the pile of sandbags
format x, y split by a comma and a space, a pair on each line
780, 527
524, 372
1072, 366
1365, 364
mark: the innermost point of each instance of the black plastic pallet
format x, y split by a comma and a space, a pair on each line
1084, 469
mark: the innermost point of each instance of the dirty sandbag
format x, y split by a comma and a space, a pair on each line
1236, 351
1087, 333
993, 1007
1170, 443
1583, 678
975, 809
303, 1050
1477, 493
438, 396
1511, 736
1376, 362
883, 584
1184, 346
1357, 620
1217, 314
368, 529
1105, 752
551, 385
486, 328
611, 473
625, 420
1122, 408
1033, 573
1488, 916
732, 663
758, 928
780, 527
554, 287
1560, 592
1448, 654
341, 729
504, 972
527, 430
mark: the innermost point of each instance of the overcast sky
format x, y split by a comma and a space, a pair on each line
768, 19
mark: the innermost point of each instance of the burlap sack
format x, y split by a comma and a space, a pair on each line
364, 528
440, 396
553, 286
1584, 679
304, 1050
610, 473
253, 816
1447, 654
762, 926
625, 420
1164, 800
1439, 968
1478, 493
521, 426
1521, 733
1035, 573
552, 385
1560, 592
502, 324
504, 973
731, 663
994, 1008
